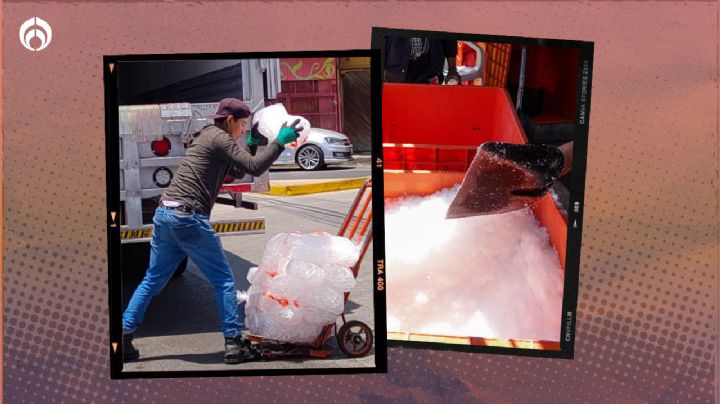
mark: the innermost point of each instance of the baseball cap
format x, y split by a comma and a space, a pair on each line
231, 106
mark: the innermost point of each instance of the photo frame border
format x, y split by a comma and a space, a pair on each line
577, 188
112, 158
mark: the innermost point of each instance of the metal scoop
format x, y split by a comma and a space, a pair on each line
505, 177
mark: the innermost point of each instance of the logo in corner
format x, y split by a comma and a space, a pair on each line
37, 31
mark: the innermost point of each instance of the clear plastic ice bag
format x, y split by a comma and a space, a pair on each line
275, 251
299, 285
252, 273
339, 277
307, 272
261, 282
270, 120
325, 299
317, 316
287, 286
322, 249
307, 333
253, 322
283, 313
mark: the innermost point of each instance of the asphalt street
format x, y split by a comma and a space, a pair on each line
181, 329
360, 168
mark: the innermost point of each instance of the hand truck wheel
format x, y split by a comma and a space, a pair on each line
355, 339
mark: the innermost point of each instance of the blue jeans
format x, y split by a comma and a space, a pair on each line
177, 235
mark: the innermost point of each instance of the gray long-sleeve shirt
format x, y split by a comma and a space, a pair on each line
212, 155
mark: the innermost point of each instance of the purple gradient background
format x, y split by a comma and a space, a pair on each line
647, 324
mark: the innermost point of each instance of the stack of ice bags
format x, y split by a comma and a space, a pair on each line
270, 120
299, 286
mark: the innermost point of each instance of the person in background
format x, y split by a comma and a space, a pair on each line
420, 60
181, 226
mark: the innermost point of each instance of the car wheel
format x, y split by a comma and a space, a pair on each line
310, 157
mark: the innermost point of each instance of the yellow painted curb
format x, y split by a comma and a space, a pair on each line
316, 187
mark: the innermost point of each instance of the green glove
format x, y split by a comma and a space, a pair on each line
254, 137
289, 134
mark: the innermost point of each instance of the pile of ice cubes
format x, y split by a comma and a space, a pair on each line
272, 118
492, 276
299, 286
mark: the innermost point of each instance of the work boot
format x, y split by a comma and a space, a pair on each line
129, 351
237, 350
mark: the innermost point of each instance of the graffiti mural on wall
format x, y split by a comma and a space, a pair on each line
292, 69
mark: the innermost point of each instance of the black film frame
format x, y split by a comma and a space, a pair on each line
577, 185
112, 156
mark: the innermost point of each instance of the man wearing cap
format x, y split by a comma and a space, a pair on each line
181, 226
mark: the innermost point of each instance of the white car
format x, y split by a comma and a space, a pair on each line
322, 147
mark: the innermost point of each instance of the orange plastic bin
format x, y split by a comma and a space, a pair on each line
430, 136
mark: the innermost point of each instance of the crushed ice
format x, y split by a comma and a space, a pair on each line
494, 276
